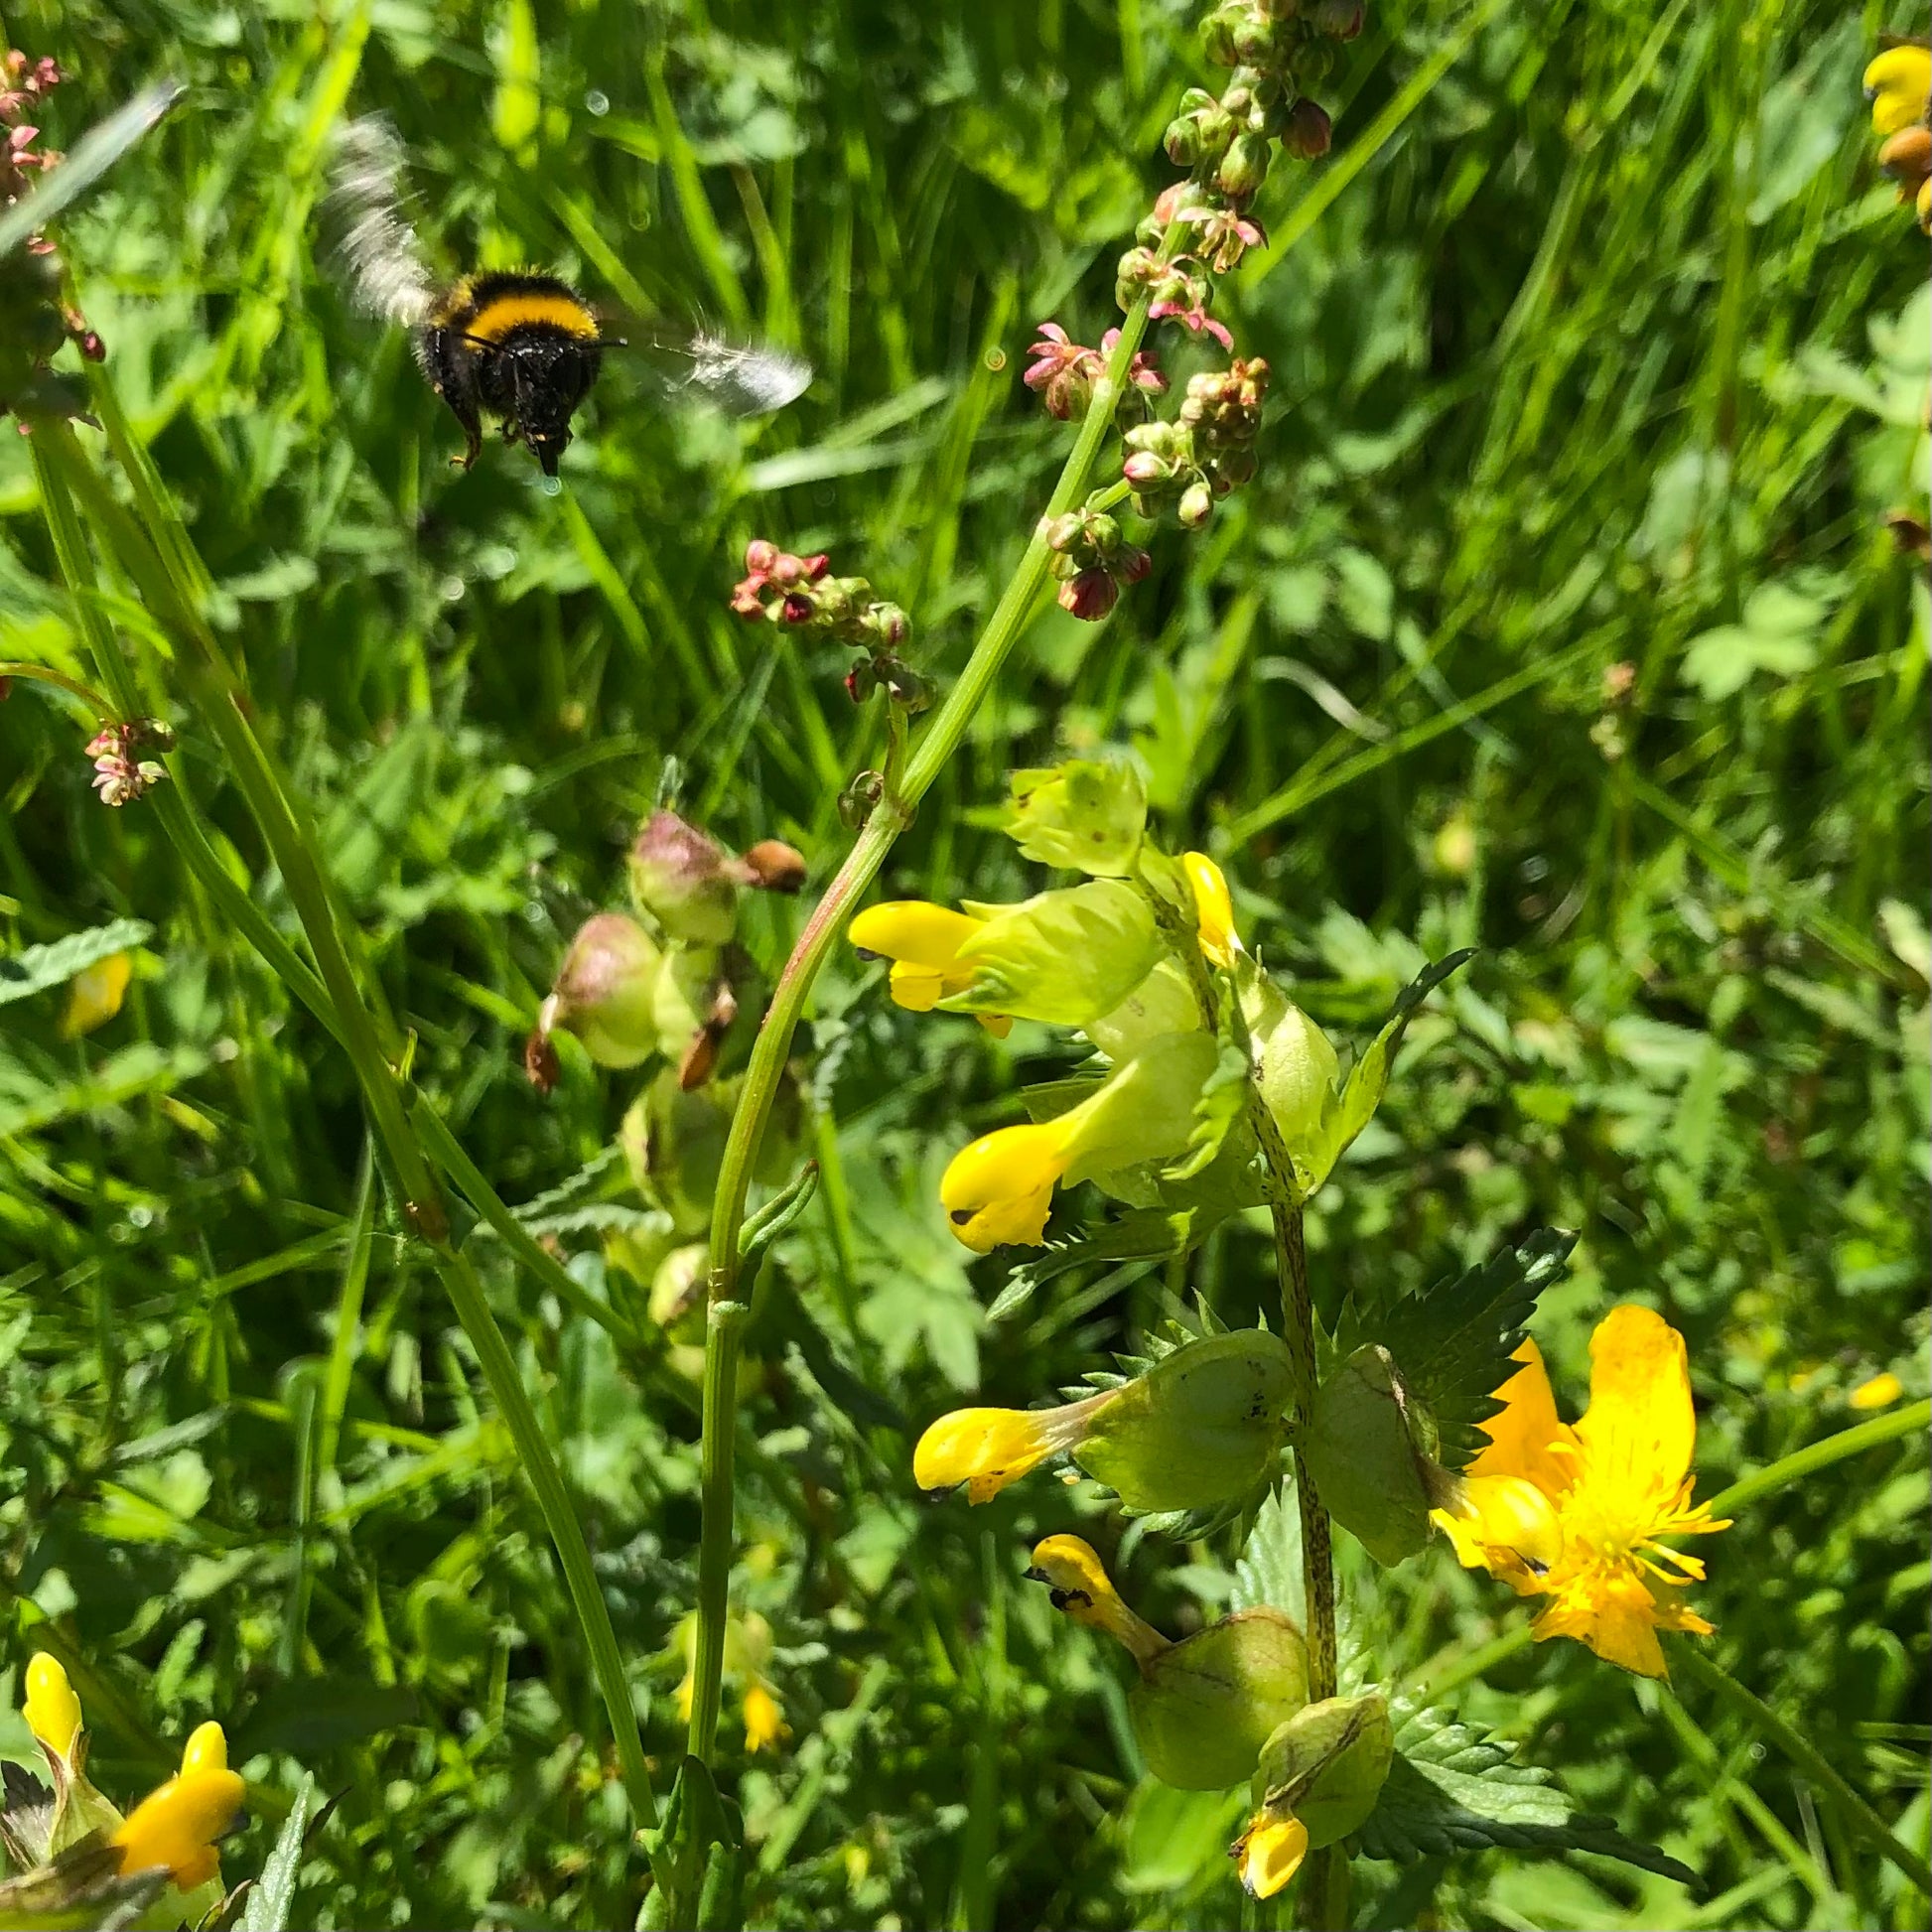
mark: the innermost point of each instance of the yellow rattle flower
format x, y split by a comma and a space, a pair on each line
51, 1710
1897, 85
1575, 1513
923, 941
1214, 908
177, 1823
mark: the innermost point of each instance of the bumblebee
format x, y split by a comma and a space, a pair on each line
524, 346
521, 344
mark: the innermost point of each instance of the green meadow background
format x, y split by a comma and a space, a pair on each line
1562, 620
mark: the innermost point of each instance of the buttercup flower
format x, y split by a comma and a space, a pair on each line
1575, 1513
1897, 83
177, 1823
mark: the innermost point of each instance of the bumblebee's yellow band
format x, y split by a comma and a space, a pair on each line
496, 315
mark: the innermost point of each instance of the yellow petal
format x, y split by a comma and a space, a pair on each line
96, 992
1615, 1614
765, 1719
1214, 908
1506, 1517
1880, 1393
1522, 1437
1270, 1852
686, 1695
919, 988
913, 930
205, 1751
1640, 1429
177, 1825
985, 1448
1897, 85
1080, 1587
51, 1710
1000, 1188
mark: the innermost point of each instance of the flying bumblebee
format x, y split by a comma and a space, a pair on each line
524, 345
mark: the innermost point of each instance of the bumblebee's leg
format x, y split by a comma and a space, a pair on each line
450, 370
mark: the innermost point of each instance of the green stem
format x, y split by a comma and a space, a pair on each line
724, 1330
1913, 1420
1864, 1821
201, 661
888, 818
41, 674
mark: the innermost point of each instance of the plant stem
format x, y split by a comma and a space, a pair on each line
1909, 1420
724, 1330
157, 569
1863, 1819
1317, 1562
888, 818
41, 674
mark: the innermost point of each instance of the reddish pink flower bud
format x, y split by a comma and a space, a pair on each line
1143, 467
797, 608
759, 555
816, 567
1090, 594
1309, 130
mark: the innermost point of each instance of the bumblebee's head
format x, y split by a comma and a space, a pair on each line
550, 376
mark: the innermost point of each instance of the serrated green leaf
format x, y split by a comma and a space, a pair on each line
1351, 1109
268, 1904
1454, 1788
1453, 1341
34, 970
1268, 1568
1148, 1234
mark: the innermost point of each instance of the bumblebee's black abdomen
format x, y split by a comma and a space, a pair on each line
525, 346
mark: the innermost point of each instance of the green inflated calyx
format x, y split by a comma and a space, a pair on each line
1064, 957
605, 991
1085, 814
1363, 1452
1202, 1427
1205, 1706
1328, 1763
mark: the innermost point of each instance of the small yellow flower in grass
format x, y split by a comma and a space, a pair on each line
1319, 1777
999, 1189
1880, 1393
923, 941
96, 992
51, 1710
1214, 908
764, 1717
177, 1825
1575, 1514
1897, 85
1270, 1854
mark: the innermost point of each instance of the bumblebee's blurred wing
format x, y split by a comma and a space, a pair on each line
740, 378
376, 243
85, 162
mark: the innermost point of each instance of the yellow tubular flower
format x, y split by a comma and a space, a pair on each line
923, 941
1270, 1851
1575, 1514
51, 1710
1897, 85
987, 1449
1000, 1188
177, 1825
1880, 1393
1214, 908
1079, 1586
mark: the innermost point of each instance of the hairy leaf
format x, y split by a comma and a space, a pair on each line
270, 1899
37, 968
1454, 1341
1455, 1788
1148, 1234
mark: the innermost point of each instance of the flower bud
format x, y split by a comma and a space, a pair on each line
1196, 505
678, 879
1308, 131
1089, 594
1907, 156
51, 1710
775, 866
1087, 816
1340, 19
1244, 167
606, 992
1319, 1777
1201, 1428
1361, 1454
